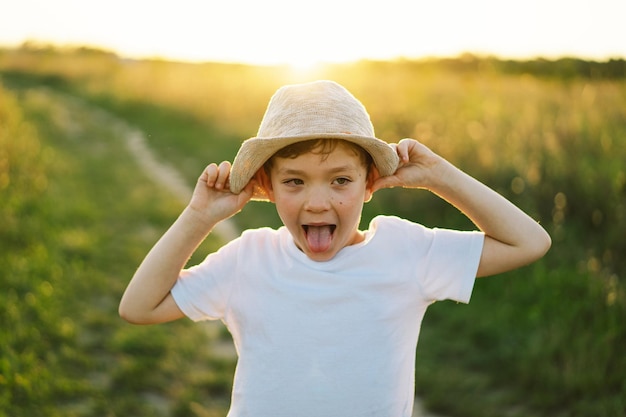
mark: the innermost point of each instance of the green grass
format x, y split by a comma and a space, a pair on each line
546, 340
531, 342
77, 215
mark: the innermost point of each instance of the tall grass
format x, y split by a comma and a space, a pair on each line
543, 340
76, 215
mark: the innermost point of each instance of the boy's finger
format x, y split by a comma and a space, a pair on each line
403, 150
209, 175
223, 174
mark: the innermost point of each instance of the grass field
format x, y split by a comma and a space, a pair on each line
78, 215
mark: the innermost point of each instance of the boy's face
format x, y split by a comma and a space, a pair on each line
320, 198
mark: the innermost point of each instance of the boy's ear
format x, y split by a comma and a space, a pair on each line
372, 176
264, 181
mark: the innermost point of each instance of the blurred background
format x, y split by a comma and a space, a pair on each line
110, 110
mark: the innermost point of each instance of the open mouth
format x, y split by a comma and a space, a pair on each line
319, 237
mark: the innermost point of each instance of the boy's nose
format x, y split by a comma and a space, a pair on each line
317, 200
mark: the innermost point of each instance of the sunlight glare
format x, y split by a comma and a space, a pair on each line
302, 64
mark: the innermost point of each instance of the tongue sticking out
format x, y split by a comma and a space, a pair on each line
319, 237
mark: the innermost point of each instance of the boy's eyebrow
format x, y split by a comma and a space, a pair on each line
292, 171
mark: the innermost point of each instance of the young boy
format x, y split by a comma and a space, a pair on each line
325, 317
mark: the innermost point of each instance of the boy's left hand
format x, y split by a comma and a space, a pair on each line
418, 167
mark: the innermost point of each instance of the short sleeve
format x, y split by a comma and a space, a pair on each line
443, 262
202, 291
451, 264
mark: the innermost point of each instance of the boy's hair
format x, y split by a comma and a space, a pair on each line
323, 147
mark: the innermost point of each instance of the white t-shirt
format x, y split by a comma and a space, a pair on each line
334, 338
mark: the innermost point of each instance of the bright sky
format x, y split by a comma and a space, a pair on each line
300, 33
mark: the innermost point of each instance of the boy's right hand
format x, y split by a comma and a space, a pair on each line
212, 200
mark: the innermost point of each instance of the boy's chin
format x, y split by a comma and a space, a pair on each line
321, 257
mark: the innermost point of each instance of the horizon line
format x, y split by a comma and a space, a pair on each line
43, 44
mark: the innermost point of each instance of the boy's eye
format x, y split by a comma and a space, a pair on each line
342, 181
293, 181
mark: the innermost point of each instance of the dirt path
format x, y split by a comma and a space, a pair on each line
160, 171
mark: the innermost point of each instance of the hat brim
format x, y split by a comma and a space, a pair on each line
254, 152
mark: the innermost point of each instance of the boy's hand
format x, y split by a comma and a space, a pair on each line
418, 168
212, 199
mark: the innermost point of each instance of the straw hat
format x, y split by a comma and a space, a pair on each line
299, 112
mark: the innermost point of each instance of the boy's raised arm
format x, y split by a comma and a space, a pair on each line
512, 238
147, 299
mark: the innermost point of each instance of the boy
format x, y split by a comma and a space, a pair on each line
325, 317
